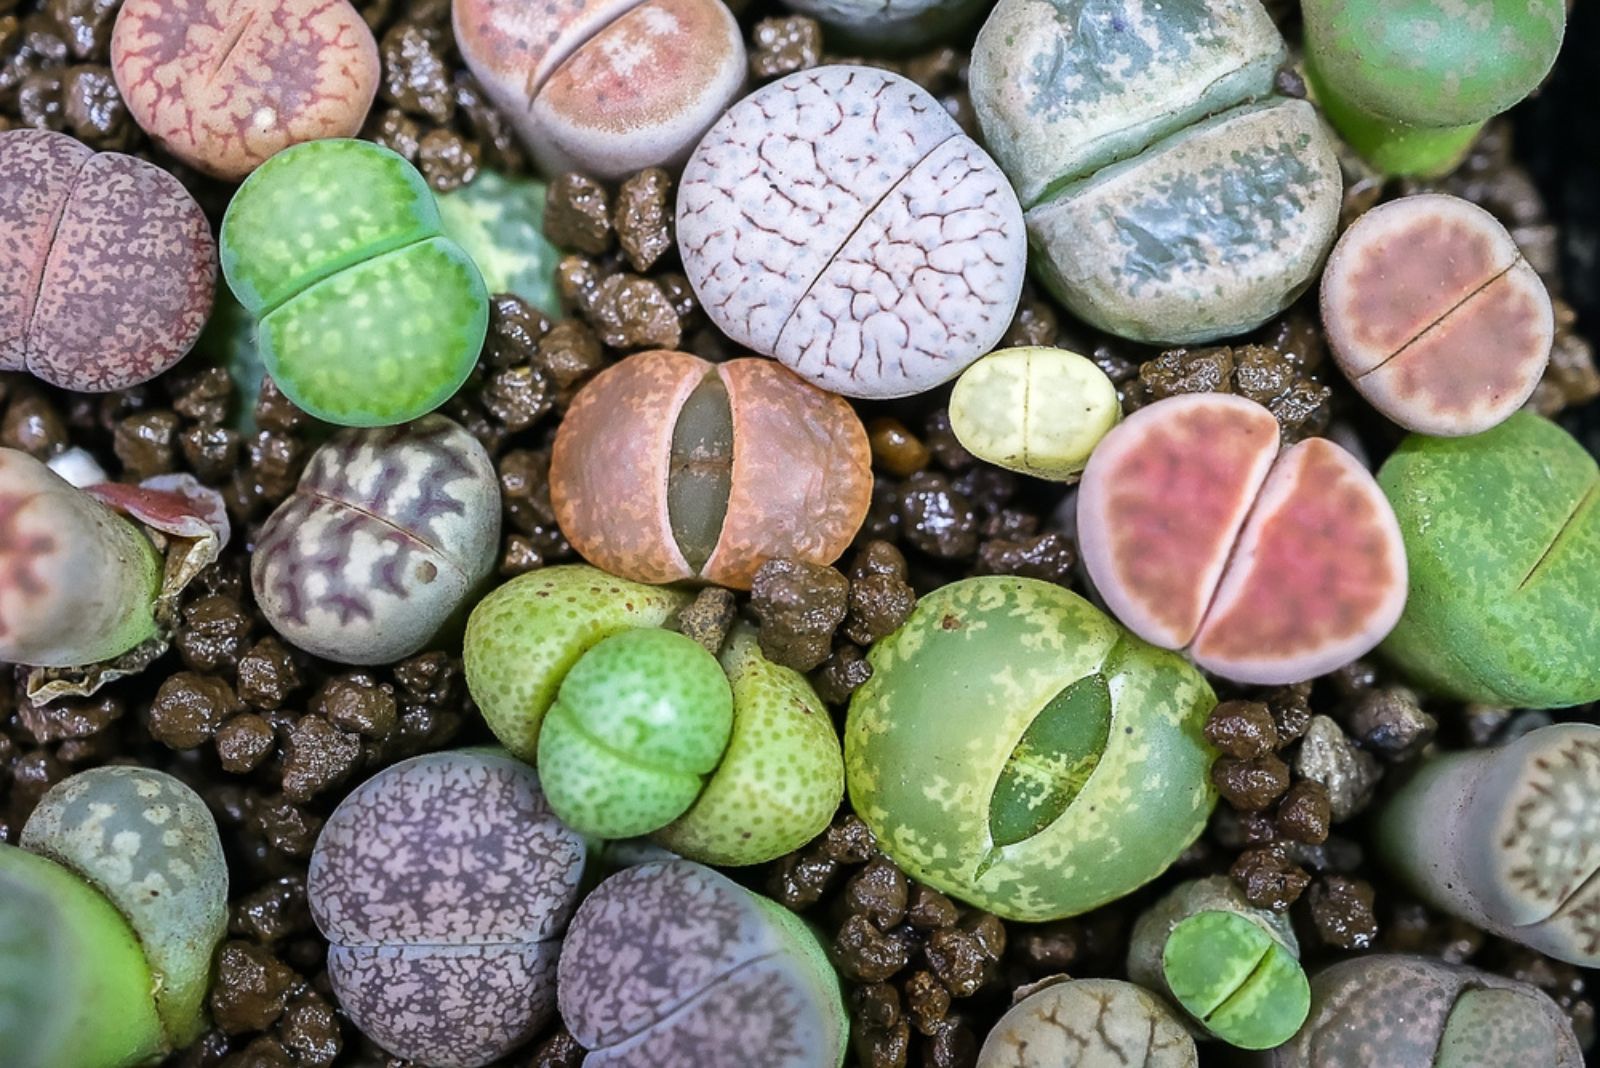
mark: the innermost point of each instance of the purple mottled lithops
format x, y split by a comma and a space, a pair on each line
839, 220
670, 965
107, 264
388, 533
443, 884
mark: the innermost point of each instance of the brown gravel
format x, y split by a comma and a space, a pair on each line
1242, 729
1269, 879
189, 708
1341, 908
780, 46
895, 449
1250, 785
799, 605
642, 217
709, 617
577, 214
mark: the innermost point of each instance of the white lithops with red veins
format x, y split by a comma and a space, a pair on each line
1270, 566
1434, 315
839, 220
443, 884
607, 87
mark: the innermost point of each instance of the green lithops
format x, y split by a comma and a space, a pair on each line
500, 223
1018, 749
114, 907
1035, 410
1502, 532
1410, 82
637, 725
368, 315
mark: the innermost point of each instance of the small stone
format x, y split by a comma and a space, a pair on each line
188, 709
875, 1005
316, 755
801, 879
1328, 757
896, 449
1291, 711
396, 131
951, 1046
936, 519
244, 742
211, 452
884, 1047
1048, 557
879, 604
560, 1050
517, 396
287, 828
94, 110
927, 1000
799, 605
357, 703
708, 618
569, 353
447, 160
632, 312
216, 634
863, 953
1342, 910
267, 674
841, 674
1391, 722
250, 988
643, 217
33, 425
962, 956
1304, 813
1180, 371
416, 77
1049, 948
1250, 785
849, 841
577, 214
273, 912
1268, 878
930, 910
310, 1031
146, 443
782, 46
879, 893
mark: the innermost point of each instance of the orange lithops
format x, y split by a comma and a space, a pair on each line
1434, 315
670, 468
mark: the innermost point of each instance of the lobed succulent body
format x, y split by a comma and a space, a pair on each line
500, 223
1089, 1023
893, 26
1037, 411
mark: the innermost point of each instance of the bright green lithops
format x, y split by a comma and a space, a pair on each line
1410, 82
1170, 194
500, 223
1018, 749
1233, 967
1089, 1023
368, 315
1502, 531
637, 725
1035, 410
110, 914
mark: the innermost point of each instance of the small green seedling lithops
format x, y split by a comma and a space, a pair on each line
1232, 967
1018, 749
368, 315
110, 914
1409, 83
1037, 411
1508, 839
1089, 1023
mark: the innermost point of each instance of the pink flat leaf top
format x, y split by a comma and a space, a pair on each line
1270, 565
1435, 316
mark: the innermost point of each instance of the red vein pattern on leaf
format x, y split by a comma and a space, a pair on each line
20, 553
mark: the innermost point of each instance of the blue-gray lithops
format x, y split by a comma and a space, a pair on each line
1170, 195
671, 965
443, 884
1089, 1023
889, 25
389, 531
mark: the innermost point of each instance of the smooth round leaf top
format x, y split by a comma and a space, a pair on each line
839, 220
671, 965
1089, 1023
639, 722
1433, 62
1236, 979
1037, 411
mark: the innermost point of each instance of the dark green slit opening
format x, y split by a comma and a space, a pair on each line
1057, 754
700, 474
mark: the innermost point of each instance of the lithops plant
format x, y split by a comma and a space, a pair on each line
1508, 838
1089, 1023
224, 84
1418, 1012
1410, 82
388, 533
1075, 772
668, 467
1170, 195
1502, 530
671, 965
368, 315
1232, 967
914, 248
898, 27
1037, 411
607, 87
1270, 566
107, 264
112, 911
499, 222
443, 884
1435, 317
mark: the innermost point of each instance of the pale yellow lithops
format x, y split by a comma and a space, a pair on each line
1037, 411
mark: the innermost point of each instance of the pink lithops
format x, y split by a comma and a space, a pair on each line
839, 220
224, 84
1434, 315
1270, 566
107, 265
604, 86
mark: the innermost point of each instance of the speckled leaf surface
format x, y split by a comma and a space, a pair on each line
1216, 893
499, 222
1089, 1023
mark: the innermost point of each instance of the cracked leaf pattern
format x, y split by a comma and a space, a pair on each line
1089, 1023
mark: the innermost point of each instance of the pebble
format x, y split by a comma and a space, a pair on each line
784, 45
863, 953
895, 449
841, 674
1341, 909
146, 443
267, 674
1305, 813
633, 312
316, 756
215, 635
447, 160
251, 988
1268, 878
642, 217
577, 214
416, 78
936, 519
799, 605
878, 892
358, 703
1327, 756
1049, 557
1390, 722
1242, 729
244, 742
188, 709
709, 617
1250, 785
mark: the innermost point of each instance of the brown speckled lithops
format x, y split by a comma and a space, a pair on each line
1434, 315
107, 265
443, 884
839, 220
1089, 1023
223, 84
607, 87
388, 532
668, 467
671, 965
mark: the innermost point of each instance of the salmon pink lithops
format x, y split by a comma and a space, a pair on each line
1269, 566
107, 264
607, 87
224, 84
1434, 315
840, 220
669, 468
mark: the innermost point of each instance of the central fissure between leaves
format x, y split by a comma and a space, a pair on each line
700, 472
1052, 761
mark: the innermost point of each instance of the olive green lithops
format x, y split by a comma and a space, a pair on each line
110, 914
1035, 410
1018, 749
368, 315
1089, 1023
500, 223
1233, 967
1502, 531
1170, 195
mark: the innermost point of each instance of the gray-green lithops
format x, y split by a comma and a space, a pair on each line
1020, 750
671, 965
112, 911
1089, 1023
1417, 1012
1508, 839
1170, 196
882, 26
